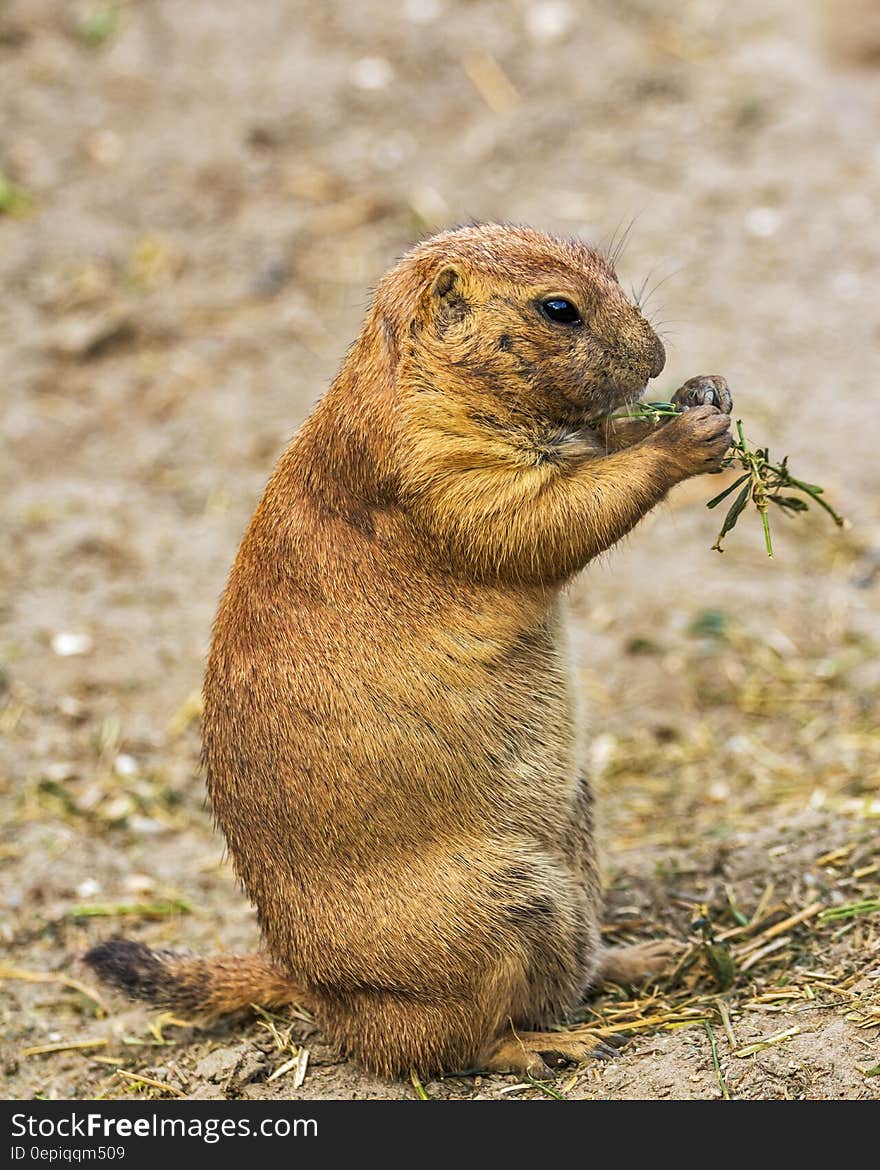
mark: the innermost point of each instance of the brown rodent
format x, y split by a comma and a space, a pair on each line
392, 739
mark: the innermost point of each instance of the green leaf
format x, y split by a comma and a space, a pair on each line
812, 488
721, 963
716, 500
793, 503
99, 25
735, 511
709, 623
853, 910
14, 200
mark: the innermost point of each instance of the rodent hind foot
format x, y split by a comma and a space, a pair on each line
523, 1052
634, 964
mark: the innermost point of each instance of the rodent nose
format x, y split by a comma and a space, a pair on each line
657, 357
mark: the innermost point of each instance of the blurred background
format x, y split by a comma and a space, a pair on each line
195, 201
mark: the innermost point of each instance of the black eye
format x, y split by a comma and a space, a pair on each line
561, 311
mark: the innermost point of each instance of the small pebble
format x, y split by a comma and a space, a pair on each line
67, 644
601, 753
70, 707
762, 222
138, 883
145, 825
104, 147
117, 809
549, 21
59, 771
371, 73
125, 765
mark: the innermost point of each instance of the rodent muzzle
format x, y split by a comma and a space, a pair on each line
635, 351
657, 357
635, 366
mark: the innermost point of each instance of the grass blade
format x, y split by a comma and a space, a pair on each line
716, 500
732, 516
713, 1047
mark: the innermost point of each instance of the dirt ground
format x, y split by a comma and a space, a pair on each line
195, 201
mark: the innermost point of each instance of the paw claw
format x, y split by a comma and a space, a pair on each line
524, 1053
705, 390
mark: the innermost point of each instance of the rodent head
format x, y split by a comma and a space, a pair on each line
478, 315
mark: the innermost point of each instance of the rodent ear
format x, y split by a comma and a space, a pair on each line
451, 306
445, 282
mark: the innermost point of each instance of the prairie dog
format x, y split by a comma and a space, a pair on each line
390, 733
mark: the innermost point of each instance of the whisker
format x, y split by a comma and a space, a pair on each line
660, 283
608, 250
624, 240
637, 296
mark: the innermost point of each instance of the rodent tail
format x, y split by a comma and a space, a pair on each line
204, 987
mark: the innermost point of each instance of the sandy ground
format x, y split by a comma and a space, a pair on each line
198, 198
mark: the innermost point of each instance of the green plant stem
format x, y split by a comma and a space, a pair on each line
762, 482
722, 1084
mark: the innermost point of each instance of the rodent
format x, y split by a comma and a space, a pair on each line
392, 737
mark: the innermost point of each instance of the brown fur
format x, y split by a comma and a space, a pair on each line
202, 987
392, 738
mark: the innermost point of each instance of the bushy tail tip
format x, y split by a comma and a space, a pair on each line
201, 987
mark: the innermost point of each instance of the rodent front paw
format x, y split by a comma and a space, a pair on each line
705, 390
696, 440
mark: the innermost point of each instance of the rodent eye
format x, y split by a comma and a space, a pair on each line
561, 311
